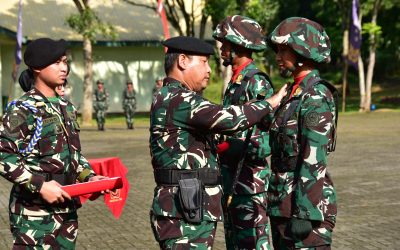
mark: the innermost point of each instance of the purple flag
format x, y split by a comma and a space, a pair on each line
354, 35
18, 48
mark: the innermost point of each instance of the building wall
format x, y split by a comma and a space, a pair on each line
114, 65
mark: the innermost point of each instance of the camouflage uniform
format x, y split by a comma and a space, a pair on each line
246, 221
100, 106
182, 125
301, 136
129, 106
55, 156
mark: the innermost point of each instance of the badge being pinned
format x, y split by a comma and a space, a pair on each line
298, 91
239, 79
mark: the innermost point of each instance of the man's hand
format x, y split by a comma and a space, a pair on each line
52, 193
275, 100
97, 178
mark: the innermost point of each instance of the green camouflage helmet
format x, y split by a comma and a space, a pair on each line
242, 31
304, 36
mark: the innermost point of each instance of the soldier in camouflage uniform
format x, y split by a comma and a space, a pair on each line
129, 103
40, 151
187, 198
246, 221
159, 84
100, 104
302, 198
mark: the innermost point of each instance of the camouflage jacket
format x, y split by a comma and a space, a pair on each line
128, 99
300, 185
100, 99
58, 151
182, 128
255, 170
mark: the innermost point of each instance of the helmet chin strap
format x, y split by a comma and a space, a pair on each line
287, 72
229, 61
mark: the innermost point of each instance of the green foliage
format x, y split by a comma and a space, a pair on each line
218, 10
371, 29
88, 24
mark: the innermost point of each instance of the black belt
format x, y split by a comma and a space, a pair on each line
63, 179
209, 177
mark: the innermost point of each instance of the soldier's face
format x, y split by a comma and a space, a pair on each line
54, 74
226, 53
286, 59
197, 72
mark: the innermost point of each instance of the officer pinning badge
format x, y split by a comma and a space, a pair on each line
312, 119
239, 79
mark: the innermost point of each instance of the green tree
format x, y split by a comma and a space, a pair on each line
88, 24
177, 10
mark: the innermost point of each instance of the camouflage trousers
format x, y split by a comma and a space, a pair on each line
320, 238
246, 222
177, 234
100, 116
55, 231
129, 113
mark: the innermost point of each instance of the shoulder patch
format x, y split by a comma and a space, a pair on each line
16, 120
312, 119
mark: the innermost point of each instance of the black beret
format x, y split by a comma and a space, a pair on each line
44, 51
188, 45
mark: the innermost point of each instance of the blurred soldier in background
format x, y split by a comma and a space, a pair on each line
159, 84
100, 104
129, 103
246, 221
302, 198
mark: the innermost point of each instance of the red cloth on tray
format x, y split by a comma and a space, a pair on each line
111, 167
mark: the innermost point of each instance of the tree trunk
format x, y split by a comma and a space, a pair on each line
345, 67
361, 82
370, 73
371, 61
87, 106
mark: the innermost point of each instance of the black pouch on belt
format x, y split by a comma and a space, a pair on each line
191, 199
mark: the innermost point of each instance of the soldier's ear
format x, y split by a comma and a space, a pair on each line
183, 61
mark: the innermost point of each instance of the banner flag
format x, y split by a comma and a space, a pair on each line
354, 35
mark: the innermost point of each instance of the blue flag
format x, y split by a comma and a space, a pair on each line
354, 35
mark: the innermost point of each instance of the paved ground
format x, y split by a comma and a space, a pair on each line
365, 170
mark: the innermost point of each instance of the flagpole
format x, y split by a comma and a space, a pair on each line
164, 21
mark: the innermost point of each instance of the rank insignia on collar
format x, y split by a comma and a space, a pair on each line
297, 91
239, 79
